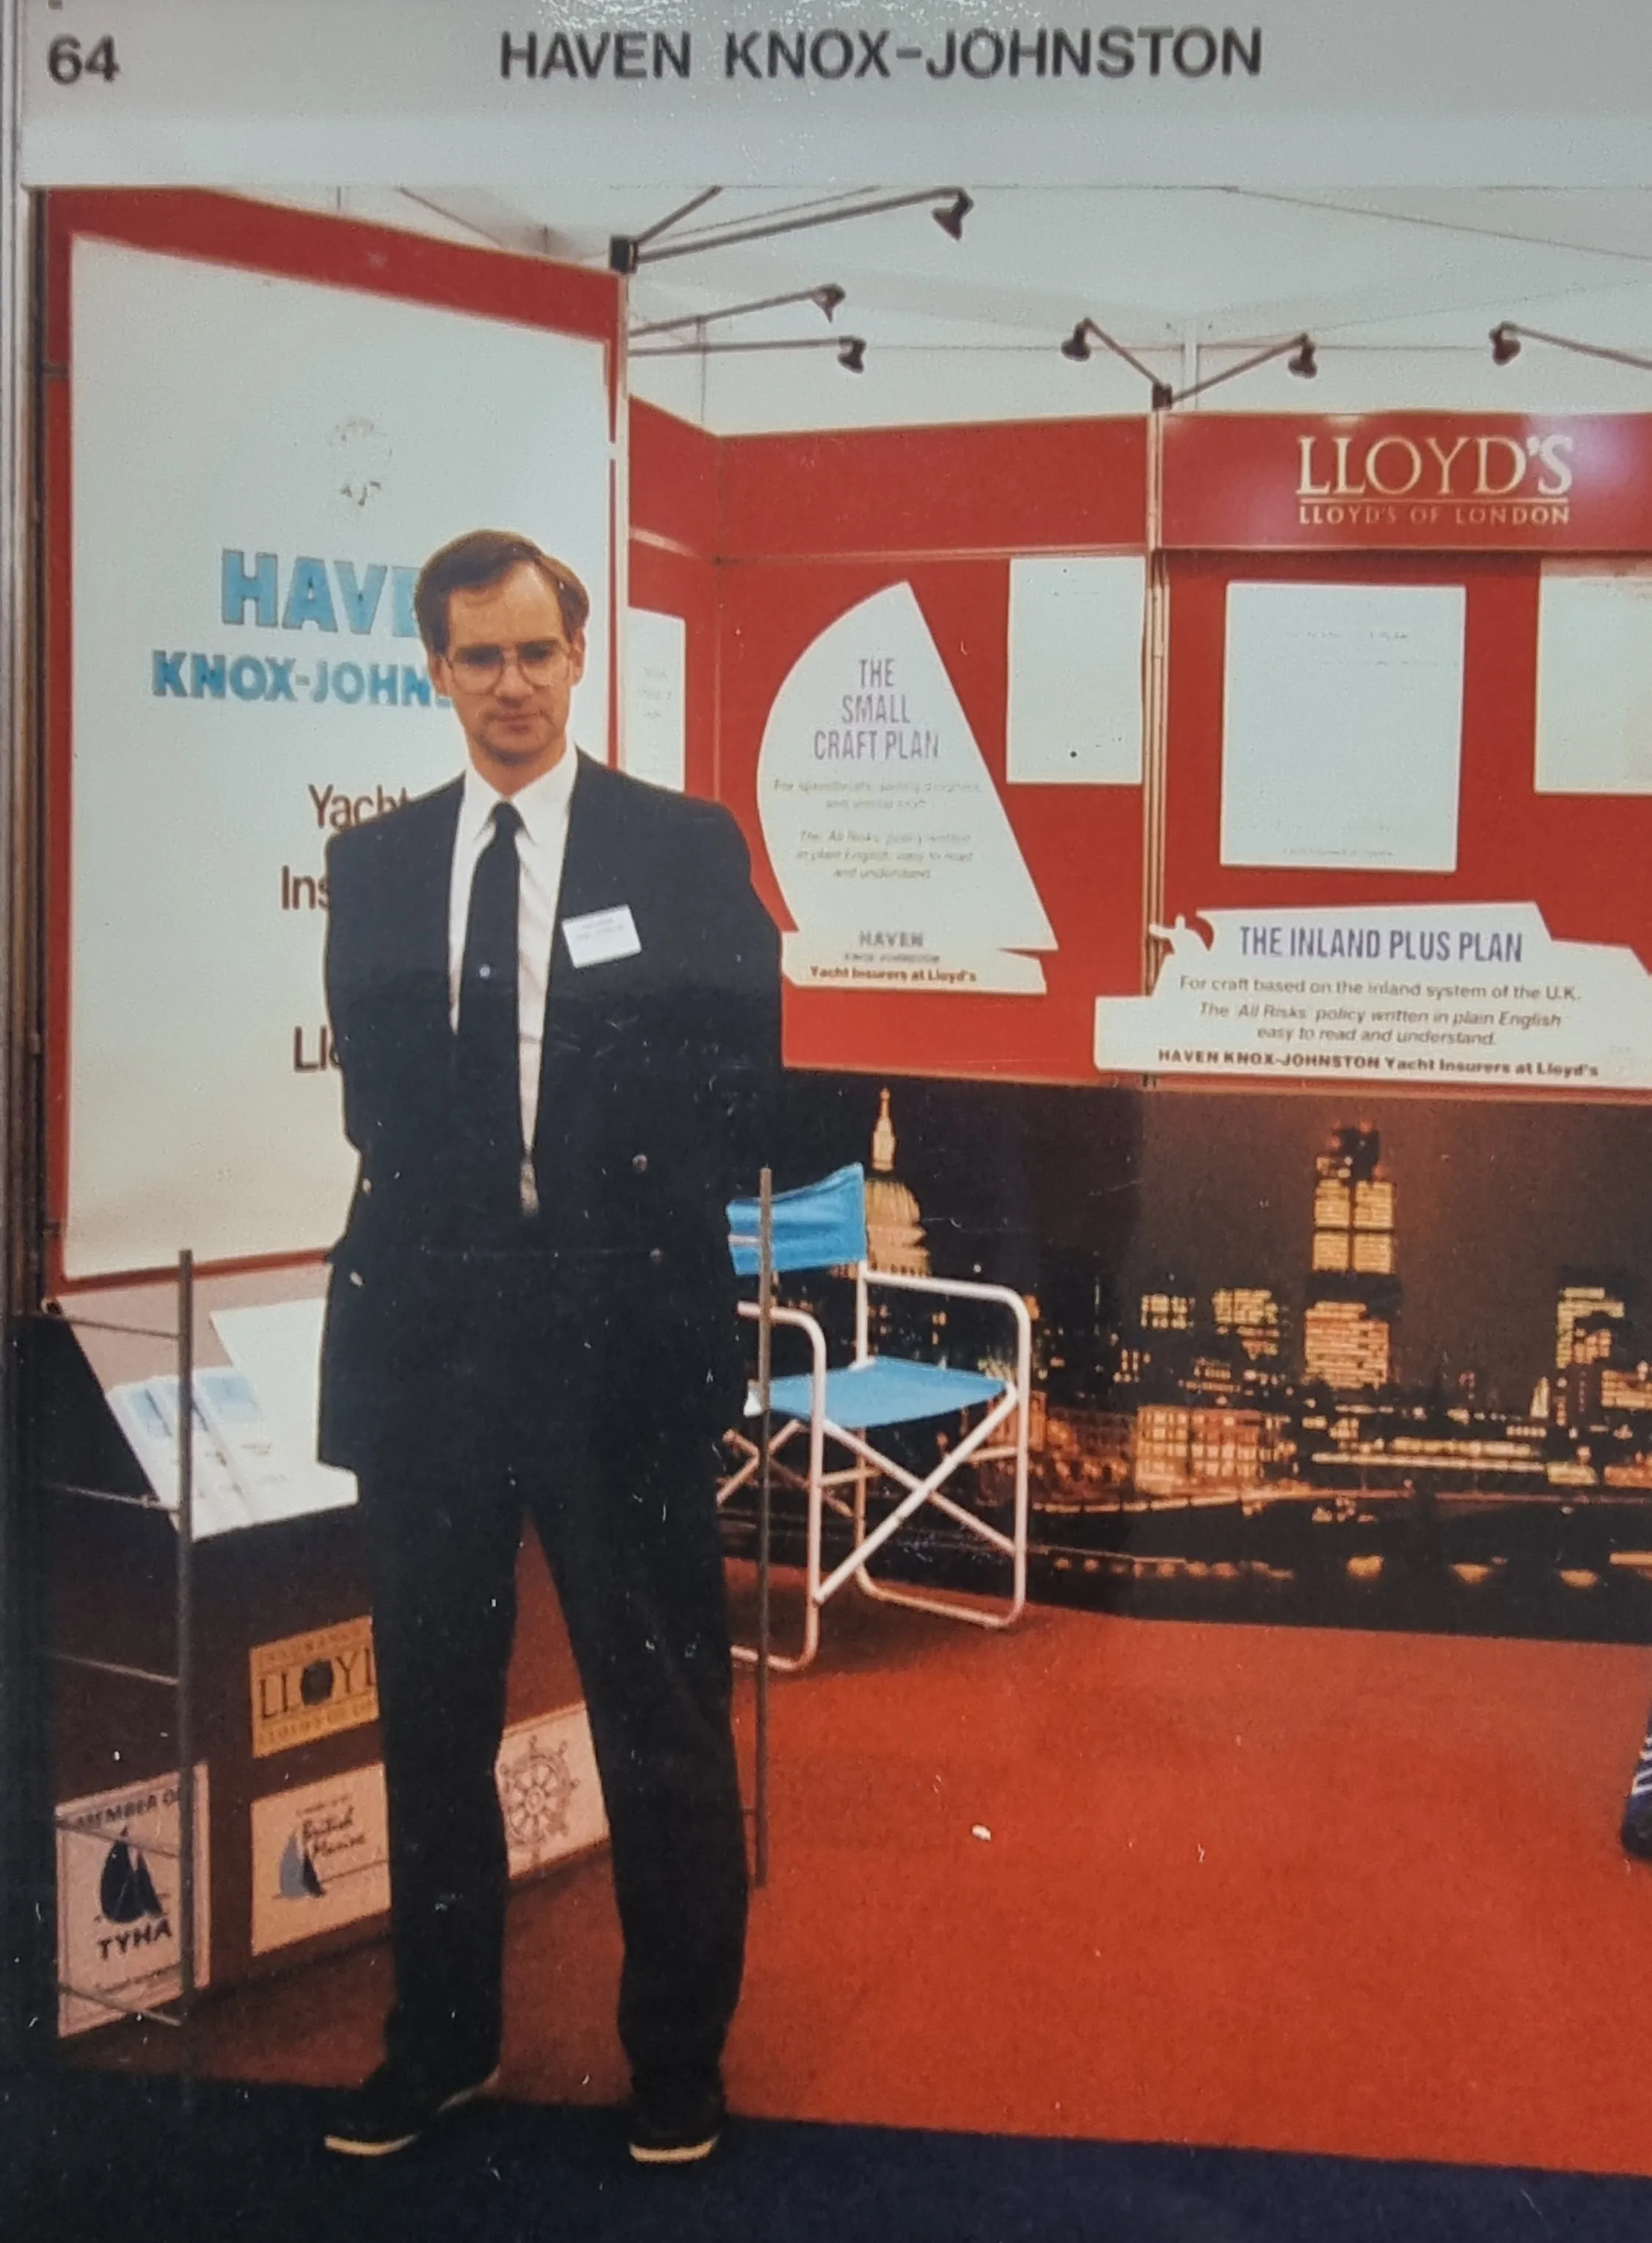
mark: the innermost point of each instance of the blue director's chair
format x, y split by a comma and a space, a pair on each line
823, 1227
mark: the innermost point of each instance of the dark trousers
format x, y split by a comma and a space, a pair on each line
626, 1513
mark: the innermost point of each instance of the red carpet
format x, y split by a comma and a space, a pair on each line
1315, 1891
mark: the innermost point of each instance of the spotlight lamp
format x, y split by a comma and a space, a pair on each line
1077, 347
1303, 361
827, 298
1506, 338
1506, 342
851, 354
951, 215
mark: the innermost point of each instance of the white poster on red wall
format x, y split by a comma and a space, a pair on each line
1476, 995
260, 465
119, 1888
895, 855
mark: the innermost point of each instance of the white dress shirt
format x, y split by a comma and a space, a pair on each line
541, 841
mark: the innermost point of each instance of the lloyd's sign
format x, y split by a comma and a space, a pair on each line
1424, 481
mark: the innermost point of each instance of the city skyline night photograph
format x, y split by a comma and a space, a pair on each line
1333, 1359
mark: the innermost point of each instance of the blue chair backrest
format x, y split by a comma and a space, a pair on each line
814, 1228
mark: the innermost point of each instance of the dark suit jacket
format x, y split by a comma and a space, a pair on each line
655, 1084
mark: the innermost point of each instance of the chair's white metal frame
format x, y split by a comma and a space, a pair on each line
999, 1436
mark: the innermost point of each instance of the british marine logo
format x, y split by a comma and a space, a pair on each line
537, 1792
298, 1878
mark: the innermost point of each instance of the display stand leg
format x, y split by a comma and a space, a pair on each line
765, 1486
186, 1632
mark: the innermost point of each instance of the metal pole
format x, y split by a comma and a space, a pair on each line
1156, 711
185, 1635
22, 1870
764, 1380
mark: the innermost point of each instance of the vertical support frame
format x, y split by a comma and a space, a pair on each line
186, 1657
24, 1859
1156, 681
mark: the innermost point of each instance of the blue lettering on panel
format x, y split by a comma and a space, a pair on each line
360, 599
240, 584
309, 597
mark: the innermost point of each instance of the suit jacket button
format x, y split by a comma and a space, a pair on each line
356, 1278
366, 1187
639, 1161
656, 1255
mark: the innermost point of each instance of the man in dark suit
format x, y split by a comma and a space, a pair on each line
555, 999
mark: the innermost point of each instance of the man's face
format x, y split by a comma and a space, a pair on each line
510, 671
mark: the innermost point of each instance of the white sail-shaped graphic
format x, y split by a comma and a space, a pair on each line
892, 849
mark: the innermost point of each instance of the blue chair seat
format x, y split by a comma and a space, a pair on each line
886, 1392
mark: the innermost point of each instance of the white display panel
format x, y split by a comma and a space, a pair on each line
259, 466
1343, 724
320, 1858
892, 846
1594, 679
655, 708
1075, 669
119, 1887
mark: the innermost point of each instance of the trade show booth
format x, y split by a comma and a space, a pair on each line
1153, 755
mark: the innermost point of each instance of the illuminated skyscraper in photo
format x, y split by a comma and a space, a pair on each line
1346, 1348
1168, 1308
1353, 1290
1250, 1314
1590, 1329
1353, 1207
1598, 1306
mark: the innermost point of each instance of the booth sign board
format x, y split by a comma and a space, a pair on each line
309, 1685
118, 1893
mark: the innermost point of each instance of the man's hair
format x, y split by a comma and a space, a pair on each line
481, 557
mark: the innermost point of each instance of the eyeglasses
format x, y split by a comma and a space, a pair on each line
538, 660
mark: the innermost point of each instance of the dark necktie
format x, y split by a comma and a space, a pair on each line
488, 1068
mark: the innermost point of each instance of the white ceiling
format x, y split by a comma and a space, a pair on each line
1398, 287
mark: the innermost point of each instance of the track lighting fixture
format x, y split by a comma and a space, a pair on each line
1506, 338
1077, 347
851, 349
627, 252
1303, 362
825, 299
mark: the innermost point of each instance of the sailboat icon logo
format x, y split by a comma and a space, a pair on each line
126, 1891
893, 850
297, 1879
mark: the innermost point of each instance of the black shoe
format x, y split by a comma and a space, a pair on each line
1635, 1835
391, 2109
677, 2120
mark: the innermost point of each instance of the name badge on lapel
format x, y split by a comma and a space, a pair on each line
595, 936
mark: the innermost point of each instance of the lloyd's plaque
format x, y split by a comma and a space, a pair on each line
309, 1685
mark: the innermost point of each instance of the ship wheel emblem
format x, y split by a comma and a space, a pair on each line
537, 1792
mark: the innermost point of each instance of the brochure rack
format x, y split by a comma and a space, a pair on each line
179, 1682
